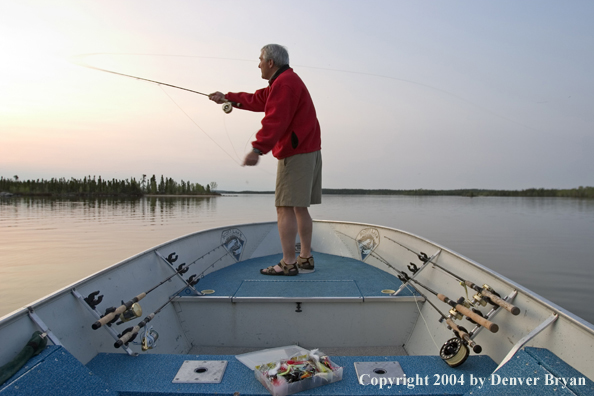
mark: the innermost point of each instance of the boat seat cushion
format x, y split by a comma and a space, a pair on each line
55, 372
553, 376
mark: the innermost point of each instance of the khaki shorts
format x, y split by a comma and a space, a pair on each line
299, 180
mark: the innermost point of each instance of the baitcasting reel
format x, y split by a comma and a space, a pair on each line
454, 312
134, 312
479, 299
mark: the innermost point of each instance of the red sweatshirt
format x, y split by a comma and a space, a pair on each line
290, 125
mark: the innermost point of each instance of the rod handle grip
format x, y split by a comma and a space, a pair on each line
110, 316
501, 302
475, 347
126, 337
492, 327
454, 327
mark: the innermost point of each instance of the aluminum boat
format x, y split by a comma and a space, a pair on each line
397, 313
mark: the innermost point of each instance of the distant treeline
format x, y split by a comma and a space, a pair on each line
97, 186
580, 192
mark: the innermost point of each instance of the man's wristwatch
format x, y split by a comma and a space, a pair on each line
255, 150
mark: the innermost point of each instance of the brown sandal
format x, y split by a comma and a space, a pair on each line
287, 269
305, 265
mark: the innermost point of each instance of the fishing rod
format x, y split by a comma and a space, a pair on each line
227, 106
130, 333
172, 258
131, 309
458, 307
455, 350
484, 294
459, 331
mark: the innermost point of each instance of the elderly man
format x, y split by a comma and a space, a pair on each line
290, 129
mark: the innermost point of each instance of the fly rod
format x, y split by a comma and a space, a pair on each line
112, 313
130, 333
485, 291
492, 327
227, 106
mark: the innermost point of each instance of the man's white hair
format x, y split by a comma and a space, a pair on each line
277, 53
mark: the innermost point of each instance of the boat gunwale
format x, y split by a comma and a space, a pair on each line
536, 297
68, 288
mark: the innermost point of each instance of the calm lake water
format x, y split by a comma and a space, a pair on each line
542, 243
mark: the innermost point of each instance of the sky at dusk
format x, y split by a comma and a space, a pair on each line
409, 94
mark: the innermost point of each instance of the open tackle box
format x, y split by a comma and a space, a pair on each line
301, 371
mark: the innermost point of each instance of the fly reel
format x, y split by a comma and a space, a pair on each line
227, 107
454, 352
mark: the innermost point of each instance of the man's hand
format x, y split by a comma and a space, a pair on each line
251, 159
217, 97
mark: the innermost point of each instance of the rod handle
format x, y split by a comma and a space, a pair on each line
126, 337
454, 327
110, 316
492, 327
464, 335
501, 302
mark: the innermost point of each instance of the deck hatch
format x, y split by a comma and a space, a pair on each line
368, 370
201, 372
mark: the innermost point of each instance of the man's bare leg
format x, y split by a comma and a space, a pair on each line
287, 229
304, 227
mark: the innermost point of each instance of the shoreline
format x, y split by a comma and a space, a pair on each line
181, 195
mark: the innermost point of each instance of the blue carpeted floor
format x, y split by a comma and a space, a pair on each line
334, 277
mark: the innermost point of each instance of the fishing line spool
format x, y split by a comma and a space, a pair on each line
454, 352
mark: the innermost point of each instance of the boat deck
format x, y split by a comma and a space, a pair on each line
334, 277
56, 372
334, 299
